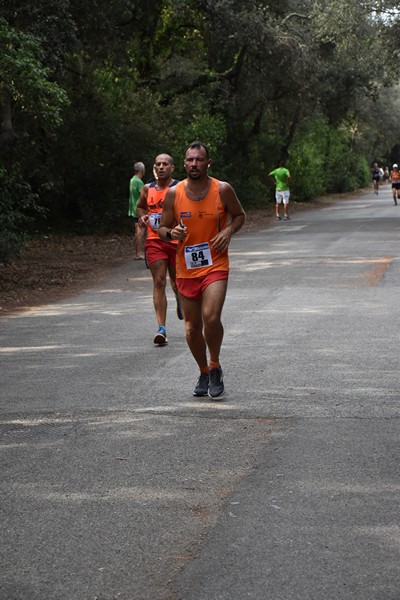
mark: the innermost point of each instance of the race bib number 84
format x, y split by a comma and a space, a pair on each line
198, 256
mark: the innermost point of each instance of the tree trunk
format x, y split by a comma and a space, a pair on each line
290, 134
6, 132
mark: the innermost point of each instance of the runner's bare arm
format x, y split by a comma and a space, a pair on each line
141, 209
168, 229
232, 205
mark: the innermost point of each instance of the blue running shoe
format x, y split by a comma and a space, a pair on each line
161, 336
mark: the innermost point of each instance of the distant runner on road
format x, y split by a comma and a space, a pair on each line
395, 179
135, 187
281, 177
376, 177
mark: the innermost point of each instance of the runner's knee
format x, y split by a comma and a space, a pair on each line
160, 282
193, 328
212, 319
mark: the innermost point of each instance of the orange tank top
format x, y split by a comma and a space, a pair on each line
203, 220
395, 177
155, 203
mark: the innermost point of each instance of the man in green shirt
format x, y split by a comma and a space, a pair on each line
135, 187
281, 177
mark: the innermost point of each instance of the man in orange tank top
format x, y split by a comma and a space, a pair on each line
160, 255
202, 213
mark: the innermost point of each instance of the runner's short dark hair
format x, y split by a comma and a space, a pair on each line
195, 145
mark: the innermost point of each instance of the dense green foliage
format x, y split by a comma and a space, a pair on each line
86, 89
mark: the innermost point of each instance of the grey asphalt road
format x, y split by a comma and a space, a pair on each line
118, 484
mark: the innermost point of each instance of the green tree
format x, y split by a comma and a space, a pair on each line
31, 107
98, 85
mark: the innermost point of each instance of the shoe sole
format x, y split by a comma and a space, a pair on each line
160, 340
200, 395
217, 397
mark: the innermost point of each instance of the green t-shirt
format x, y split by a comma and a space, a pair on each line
281, 176
135, 187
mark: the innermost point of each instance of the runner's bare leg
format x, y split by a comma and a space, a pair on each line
192, 311
158, 270
213, 302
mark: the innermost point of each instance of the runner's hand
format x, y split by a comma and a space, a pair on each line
179, 232
143, 221
220, 242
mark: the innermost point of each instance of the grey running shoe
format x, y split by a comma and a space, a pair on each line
278, 218
216, 387
201, 388
286, 218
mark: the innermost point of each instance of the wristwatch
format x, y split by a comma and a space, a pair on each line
168, 234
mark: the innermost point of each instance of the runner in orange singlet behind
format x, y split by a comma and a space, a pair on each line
160, 256
203, 214
395, 177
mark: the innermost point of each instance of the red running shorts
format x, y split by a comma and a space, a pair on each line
194, 287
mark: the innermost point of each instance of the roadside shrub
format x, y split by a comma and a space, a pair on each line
17, 206
322, 160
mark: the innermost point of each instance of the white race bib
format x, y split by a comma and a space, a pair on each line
198, 256
155, 220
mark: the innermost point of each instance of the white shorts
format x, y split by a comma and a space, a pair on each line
282, 196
